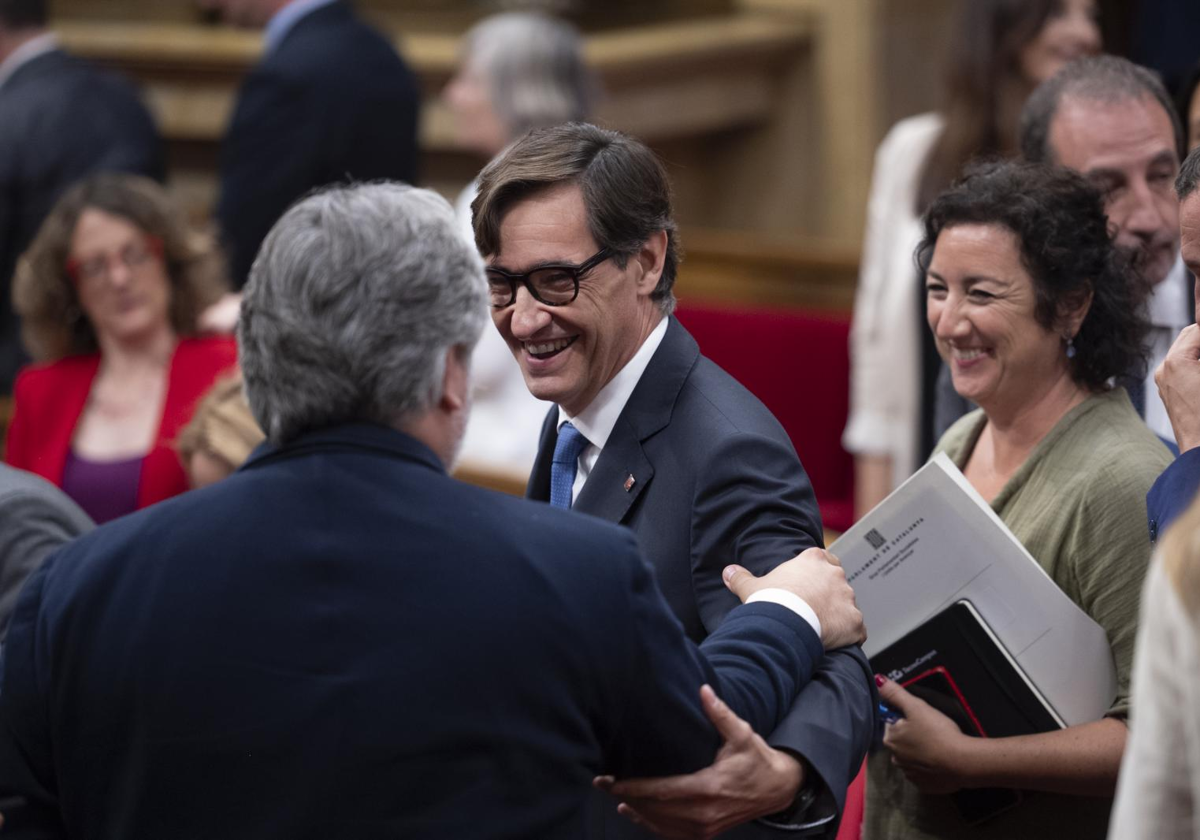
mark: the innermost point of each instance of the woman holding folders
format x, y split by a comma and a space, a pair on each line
1035, 312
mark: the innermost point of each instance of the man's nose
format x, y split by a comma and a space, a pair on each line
1144, 218
528, 315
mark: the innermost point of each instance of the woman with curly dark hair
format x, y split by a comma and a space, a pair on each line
109, 295
1035, 313
999, 51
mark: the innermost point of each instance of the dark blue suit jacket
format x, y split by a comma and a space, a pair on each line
61, 119
342, 641
331, 102
715, 481
1173, 491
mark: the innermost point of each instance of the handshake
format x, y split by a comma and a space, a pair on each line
816, 576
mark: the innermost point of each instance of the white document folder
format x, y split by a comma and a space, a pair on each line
935, 540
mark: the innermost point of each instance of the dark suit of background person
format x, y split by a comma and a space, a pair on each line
331, 102
342, 641
715, 477
35, 518
61, 119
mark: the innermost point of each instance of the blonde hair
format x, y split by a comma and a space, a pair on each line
222, 426
52, 322
1181, 558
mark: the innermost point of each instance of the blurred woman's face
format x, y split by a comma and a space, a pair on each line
980, 305
120, 277
1071, 31
477, 126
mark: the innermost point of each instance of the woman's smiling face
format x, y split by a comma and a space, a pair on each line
981, 305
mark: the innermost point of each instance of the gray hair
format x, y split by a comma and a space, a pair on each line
1189, 175
352, 302
1105, 79
535, 70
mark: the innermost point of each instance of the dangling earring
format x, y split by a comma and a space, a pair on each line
1071, 347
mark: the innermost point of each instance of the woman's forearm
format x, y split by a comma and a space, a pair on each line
1081, 760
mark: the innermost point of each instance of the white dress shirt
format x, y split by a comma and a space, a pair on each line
596, 423
1169, 313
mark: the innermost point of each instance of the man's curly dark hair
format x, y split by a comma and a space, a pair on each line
1059, 220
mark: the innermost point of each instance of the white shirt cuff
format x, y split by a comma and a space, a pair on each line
792, 601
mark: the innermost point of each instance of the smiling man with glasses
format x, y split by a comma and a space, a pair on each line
575, 223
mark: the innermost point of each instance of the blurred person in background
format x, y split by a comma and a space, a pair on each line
329, 101
1114, 122
61, 119
109, 293
1034, 311
1158, 794
1003, 49
517, 71
221, 434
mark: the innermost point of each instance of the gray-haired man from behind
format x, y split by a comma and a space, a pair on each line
340, 640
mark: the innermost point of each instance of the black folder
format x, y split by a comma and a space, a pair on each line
957, 664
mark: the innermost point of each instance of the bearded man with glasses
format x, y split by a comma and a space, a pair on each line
575, 224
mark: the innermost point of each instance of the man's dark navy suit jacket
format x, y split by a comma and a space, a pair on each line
342, 641
332, 102
717, 481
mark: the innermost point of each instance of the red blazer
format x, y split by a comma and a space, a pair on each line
49, 398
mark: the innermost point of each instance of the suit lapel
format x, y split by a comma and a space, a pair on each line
609, 492
621, 474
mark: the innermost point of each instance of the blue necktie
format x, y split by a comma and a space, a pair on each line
562, 465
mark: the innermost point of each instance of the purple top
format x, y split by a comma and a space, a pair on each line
104, 489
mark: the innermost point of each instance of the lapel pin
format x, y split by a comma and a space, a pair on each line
629, 482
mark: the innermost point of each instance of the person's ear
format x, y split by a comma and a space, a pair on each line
651, 258
1073, 314
456, 380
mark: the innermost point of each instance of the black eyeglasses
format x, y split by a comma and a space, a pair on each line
553, 285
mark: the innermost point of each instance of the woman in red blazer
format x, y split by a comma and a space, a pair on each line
109, 294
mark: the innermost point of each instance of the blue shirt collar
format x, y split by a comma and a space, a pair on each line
282, 22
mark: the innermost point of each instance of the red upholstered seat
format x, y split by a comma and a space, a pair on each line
798, 363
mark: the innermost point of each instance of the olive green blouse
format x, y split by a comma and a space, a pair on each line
1078, 505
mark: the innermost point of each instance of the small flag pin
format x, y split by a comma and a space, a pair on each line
629, 482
